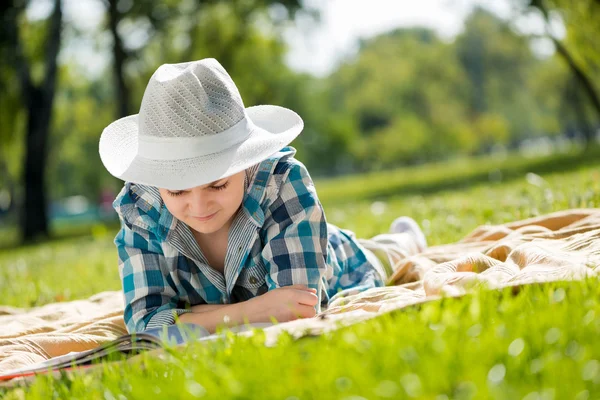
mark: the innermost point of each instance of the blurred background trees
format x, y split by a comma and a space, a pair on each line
36, 73
581, 53
407, 96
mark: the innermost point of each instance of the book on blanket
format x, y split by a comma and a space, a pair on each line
126, 345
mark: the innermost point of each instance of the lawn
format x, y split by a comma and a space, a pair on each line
538, 344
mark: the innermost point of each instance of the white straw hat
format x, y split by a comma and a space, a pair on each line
193, 129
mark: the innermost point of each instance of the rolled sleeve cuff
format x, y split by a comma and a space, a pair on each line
165, 317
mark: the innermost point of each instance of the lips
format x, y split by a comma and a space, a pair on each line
206, 218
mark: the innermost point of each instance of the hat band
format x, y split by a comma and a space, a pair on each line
161, 148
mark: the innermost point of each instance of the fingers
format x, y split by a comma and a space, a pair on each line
300, 287
303, 311
303, 305
300, 296
294, 301
306, 298
300, 304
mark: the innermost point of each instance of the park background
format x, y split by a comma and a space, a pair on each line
379, 84
456, 112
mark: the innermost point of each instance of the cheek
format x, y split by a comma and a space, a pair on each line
175, 206
234, 199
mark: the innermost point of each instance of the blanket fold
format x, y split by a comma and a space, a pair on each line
559, 246
31, 336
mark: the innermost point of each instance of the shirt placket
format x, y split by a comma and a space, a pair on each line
245, 229
182, 238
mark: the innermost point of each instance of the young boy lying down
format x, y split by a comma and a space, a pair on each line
221, 225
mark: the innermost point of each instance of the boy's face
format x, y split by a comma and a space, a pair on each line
207, 208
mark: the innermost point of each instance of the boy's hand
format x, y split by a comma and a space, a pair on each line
284, 304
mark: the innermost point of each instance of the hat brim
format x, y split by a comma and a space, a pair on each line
274, 128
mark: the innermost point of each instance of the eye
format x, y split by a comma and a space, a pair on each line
221, 187
176, 193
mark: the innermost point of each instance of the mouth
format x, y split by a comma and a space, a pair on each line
206, 218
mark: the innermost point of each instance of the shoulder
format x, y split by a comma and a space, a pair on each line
286, 165
290, 191
287, 169
138, 205
282, 173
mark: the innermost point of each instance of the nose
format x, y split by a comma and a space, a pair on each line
199, 203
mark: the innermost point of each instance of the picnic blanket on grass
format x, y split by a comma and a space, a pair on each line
555, 247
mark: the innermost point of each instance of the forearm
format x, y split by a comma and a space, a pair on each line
207, 307
282, 304
211, 316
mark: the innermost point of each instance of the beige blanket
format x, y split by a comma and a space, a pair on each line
559, 246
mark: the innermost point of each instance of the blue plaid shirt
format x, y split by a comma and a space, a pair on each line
278, 238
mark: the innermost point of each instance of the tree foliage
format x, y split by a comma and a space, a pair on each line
406, 96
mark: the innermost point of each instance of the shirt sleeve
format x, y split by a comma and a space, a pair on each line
150, 300
295, 243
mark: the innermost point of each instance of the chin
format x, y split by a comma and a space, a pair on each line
206, 228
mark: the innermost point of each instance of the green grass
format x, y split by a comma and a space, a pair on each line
455, 174
65, 269
539, 343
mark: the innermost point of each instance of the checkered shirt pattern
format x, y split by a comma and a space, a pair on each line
279, 237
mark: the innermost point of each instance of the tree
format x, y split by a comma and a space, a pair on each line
405, 93
579, 51
172, 32
38, 100
498, 63
163, 22
11, 109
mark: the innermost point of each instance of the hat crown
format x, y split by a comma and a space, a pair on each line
190, 100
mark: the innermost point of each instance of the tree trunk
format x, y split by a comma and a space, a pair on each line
10, 185
39, 102
34, 218
583, 79
119, 56
577, 104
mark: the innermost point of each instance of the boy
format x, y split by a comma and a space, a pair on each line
220, 223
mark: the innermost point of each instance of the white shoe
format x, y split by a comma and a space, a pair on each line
409, 225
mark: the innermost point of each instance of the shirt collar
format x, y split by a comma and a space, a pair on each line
148, 198
256, 192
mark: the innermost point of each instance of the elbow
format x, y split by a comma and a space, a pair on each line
135, 323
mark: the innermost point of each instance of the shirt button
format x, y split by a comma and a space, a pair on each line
253, 280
